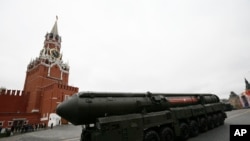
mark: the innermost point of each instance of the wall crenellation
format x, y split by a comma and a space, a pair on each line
13, 101
10, 92
67, 87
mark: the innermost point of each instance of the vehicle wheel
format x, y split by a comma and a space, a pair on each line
194, 128
210, 122
203, 125
221, 119
85, 136
151, 136
184, 131
167, 134
215, 120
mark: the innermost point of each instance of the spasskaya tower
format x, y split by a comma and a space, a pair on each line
47, 77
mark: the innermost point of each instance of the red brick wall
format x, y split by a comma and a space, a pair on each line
65, 78
55, 72
53, 95
36, 79
31, 118
43, 85
13, 101
44, 93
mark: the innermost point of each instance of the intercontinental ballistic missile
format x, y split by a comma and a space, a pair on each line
85, 107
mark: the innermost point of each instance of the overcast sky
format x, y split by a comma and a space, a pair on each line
133, 46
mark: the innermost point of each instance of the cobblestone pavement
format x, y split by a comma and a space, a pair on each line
58, 133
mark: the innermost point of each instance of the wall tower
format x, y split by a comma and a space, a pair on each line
45, 71
45, 86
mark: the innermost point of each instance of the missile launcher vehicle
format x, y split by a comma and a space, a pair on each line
147, 116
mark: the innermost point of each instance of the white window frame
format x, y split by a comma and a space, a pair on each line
10, 123
66, 97
1, 123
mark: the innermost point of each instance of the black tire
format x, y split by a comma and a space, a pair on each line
151, 135
216, 120
184, 131
167, 134
203, 125
194, 128
221, 119
210, 122
85, 136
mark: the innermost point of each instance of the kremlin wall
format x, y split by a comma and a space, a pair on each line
12, 101
45, 86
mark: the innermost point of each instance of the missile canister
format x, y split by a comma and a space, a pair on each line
85, 107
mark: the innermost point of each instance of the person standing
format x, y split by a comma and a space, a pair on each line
51, 126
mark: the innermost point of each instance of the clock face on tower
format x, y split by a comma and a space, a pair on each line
54, 53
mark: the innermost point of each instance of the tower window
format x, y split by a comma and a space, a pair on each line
66, 97
50, 35
57, 37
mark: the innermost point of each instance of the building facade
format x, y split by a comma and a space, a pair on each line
245, 96
234, 100
45, 86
